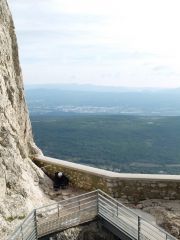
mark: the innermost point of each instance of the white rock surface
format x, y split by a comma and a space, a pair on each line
21, 182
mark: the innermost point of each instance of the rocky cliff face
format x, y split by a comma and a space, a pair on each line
21, 182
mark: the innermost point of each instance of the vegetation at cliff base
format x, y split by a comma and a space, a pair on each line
119, 143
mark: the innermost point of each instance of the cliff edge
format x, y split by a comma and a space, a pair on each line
21, 182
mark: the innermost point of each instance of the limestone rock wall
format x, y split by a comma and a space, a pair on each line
21, 182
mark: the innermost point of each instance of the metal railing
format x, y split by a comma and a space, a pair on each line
67, 213
127, 221
27, 230
84, 208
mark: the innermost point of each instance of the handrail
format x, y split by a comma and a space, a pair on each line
87, 206
84, 194
142, 218
60, 204
117, 202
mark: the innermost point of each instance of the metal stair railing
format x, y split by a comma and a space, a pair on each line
127, 221
84, 208
27, 230
67, 213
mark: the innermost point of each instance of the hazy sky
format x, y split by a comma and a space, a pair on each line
104, 42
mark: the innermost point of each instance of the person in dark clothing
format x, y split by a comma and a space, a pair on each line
60, 181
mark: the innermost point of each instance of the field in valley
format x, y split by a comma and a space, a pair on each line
118, 143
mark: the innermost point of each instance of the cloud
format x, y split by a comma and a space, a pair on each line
128, 43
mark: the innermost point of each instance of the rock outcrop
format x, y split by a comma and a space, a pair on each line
21, 182
89, 231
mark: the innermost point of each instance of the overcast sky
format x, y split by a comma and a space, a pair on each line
103, 42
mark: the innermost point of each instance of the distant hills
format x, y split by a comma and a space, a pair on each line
90, 99
97, 88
